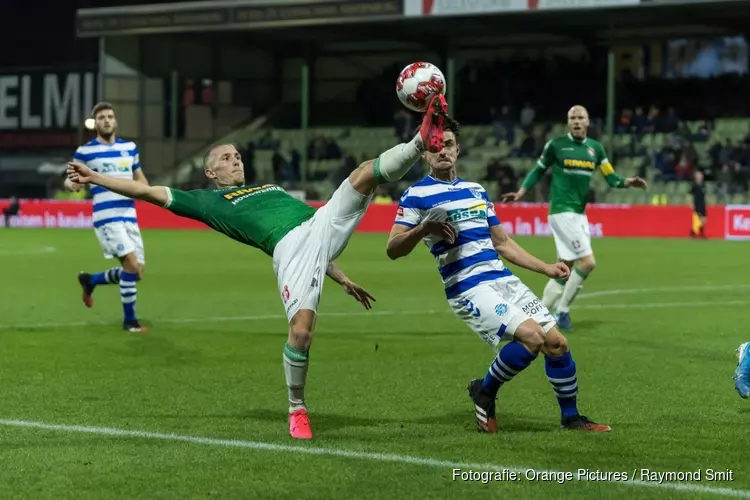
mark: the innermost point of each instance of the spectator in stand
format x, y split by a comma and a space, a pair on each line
279, 167
528, 147
666, 163
404, 124
639, 122
671, 120
332, 149
348, 165
654, 119
503, 126
723, 183
688, 162
625, 123
528, 114
703, 133
12, 210
726, 153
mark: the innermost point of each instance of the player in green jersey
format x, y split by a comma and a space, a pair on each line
573, 159
303, 241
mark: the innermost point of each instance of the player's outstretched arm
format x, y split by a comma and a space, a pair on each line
81, 174
360, 294
512, 252
403, 239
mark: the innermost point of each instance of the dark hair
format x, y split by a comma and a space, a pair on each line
452, 125
101, 106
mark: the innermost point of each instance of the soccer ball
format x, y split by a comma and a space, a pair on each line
417, 83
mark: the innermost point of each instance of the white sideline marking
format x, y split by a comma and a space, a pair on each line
694, 288
33, 251
361, 455
212, 319
421, 312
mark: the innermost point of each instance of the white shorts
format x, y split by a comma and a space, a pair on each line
572, 235
495, 309
301, 258
119, 239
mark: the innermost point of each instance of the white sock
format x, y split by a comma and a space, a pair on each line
552, 293
393, 164
572, 287
295, 371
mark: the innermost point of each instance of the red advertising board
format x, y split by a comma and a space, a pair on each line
671, 221
737, 222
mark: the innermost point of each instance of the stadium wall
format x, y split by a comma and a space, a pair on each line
526, 219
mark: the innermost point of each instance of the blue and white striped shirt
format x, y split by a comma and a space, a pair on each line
472, 259
117, 160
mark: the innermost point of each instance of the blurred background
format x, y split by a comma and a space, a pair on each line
307, 89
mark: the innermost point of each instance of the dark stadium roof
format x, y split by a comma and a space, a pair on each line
649, 21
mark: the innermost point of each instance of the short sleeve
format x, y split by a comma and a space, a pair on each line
185, 203
79, 156
492, 218
409, 213
136, 159
547, 159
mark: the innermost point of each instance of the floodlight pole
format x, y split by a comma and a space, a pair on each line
304, 115
610, 126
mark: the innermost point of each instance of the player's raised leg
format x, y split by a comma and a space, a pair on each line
89, 282
393, 164
742, 373
561, 372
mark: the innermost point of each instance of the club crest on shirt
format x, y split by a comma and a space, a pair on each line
591, 151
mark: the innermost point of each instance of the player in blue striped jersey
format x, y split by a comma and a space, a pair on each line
115, 220
457, 222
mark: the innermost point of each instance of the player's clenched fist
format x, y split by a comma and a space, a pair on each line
79, 173
558, 271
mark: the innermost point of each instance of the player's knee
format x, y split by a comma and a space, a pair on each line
130, 264
300, 336
555, 344
531, 335
301, 329
587, 264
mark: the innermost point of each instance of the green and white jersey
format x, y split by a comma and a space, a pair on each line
573, 162
259, 216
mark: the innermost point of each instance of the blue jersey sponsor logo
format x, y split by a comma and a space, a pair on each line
478, 211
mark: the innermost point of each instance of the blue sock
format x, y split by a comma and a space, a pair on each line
127, 294
107, 277
510, 361
561, 372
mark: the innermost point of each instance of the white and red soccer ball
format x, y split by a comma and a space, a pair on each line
417, 83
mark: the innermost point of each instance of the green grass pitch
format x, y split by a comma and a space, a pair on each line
656, 329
